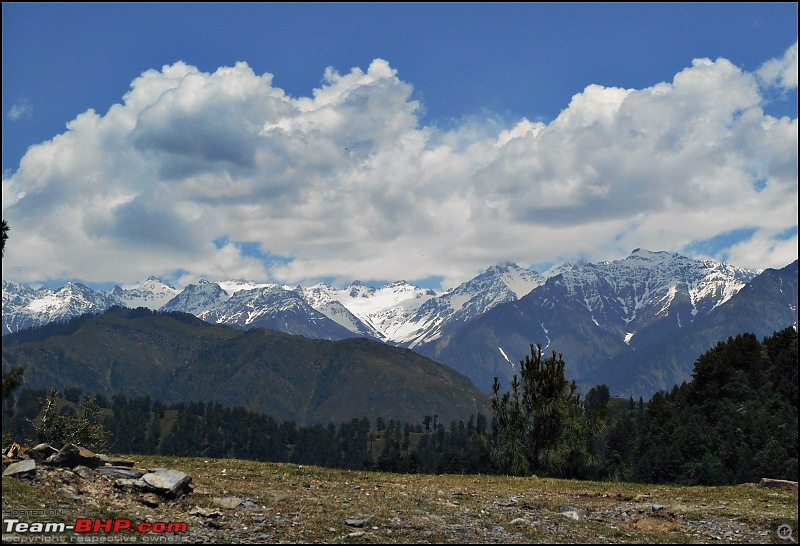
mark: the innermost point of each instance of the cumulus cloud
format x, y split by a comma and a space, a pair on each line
346, 183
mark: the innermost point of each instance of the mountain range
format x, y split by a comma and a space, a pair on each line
608, 319
176, 357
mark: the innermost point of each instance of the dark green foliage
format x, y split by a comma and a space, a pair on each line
597, 399
81, 427
11, 380
72, 394
735, 422
540, 425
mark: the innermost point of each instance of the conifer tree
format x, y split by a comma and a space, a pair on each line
539, 426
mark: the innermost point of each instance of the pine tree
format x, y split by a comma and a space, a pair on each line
539, 425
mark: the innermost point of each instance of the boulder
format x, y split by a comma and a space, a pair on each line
778, 484
21, 469
71, 456
41, 452
167, 482
13, 451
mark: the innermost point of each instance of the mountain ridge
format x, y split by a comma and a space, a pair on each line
594, 313
176, 357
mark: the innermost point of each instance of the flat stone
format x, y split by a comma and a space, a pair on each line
571, 512
169, 482
84, 472
40, 452
228, 502
21, 469
204, 512
357, 522
122, 472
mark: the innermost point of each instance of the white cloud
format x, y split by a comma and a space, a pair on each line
21, 109
781, 72
346, 184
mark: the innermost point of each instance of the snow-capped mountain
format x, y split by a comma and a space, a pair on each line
247, 304
377, 311
323, 298
498, 284
592, 314
198, 299
599, 315
625, 295
25, 307
152, 293
630, 294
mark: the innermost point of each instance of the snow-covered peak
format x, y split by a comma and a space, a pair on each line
374, 311
503, 282
500, 283
152, 293
24, 307
235, 285
649, 279
320, 294
358, 289
518, 280
559, 269
198, 298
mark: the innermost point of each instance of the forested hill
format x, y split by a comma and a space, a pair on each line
735, 422
175, 357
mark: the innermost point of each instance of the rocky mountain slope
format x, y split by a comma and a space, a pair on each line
601, 315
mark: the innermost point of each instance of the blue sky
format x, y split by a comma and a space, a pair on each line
473, 125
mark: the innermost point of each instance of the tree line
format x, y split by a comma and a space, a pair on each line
736, 421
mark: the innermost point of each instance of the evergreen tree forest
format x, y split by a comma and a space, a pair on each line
736, 421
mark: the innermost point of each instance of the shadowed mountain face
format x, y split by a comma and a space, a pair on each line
634, 350
177, 357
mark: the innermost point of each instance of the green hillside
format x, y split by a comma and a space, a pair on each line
174, 357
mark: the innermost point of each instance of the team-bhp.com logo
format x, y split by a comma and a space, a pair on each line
87, 525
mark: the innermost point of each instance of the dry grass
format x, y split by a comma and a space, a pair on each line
293, 503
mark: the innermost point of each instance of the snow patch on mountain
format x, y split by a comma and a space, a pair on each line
235, 285
502, 352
